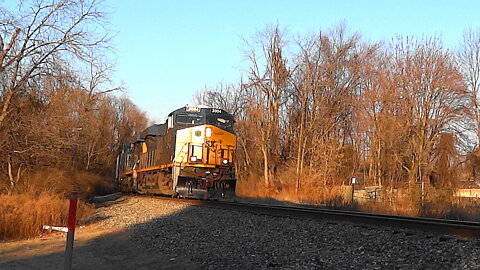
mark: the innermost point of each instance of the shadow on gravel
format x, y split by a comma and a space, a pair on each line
208, 238
115, 251
107, 200
104, 201
110, 251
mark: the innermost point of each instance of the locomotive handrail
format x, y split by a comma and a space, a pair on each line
174, 161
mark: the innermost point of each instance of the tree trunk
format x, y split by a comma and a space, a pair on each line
10, 176
6, 104
265, 166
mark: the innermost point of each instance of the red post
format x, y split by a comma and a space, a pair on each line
72, 211
72, 218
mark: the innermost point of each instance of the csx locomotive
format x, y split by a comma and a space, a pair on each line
190, 155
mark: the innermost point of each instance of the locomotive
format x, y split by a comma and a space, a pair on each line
191, 155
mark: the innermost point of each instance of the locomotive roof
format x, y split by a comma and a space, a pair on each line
160, 129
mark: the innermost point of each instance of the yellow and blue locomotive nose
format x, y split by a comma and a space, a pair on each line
204, 146
205, 154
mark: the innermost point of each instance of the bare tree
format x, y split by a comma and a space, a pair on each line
229, 97
468, 55
432, 94
326, 78
270, 82
41, 32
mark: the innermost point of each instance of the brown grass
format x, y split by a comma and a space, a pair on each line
41, 198
437, 209
23, 215
401, 206
284, 189
64, 181
437, 203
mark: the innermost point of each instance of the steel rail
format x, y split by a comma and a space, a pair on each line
468, 229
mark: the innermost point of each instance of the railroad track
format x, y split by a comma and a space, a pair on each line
468, 229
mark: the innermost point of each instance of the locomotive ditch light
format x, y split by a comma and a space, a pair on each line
225, 161
193, 158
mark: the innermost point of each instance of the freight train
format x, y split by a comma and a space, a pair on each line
191, 155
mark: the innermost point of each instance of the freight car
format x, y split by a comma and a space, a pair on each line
190, 155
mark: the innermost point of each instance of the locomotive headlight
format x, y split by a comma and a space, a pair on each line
193, 158
225, 161
208, 132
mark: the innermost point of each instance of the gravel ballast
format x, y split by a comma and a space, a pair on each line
226, 239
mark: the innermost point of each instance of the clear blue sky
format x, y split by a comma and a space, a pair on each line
168, 50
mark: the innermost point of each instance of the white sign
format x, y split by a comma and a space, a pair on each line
192, 109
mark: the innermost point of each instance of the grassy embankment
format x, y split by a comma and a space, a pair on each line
44, 200
437, 203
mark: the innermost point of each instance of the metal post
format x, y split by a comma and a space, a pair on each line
353, 193
353, 181
72, 215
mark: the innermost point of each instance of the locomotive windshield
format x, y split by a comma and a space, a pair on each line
220, 121
188, 119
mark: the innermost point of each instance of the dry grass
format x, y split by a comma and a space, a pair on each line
41, 198
401, 206
435, 209
23, 215
284, 189
63, 181
437, 203
464, 210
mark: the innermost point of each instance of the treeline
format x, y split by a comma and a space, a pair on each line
60, 124
332, 106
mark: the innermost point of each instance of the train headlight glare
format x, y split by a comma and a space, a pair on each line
193, 158
208, 132
225, 161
